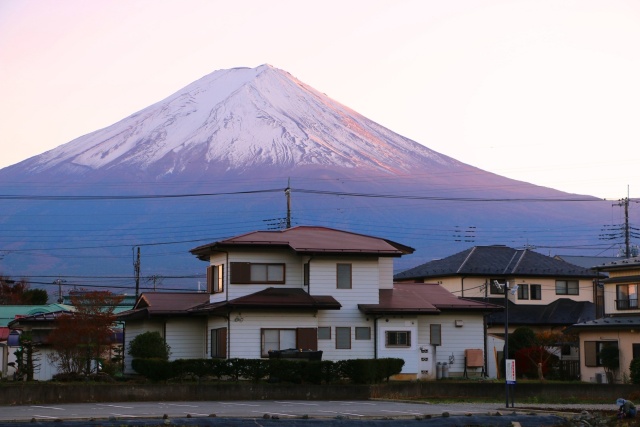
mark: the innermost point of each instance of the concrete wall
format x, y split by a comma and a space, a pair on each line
28, 393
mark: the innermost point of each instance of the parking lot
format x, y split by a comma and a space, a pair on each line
230, 413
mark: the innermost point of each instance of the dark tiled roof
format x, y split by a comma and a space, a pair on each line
309, 240
587, 261
621, 264
561, 312
275, 299
422, 298
610, 323
496, 261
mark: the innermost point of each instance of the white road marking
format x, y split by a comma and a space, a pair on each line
343, 413
401, 412
115, 406
44, 416
237, 404
297, 403
48, 407
186, 406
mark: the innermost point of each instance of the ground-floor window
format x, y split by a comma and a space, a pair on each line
398, 338
363, 333
284, 339
343, 337
592, 351
277, 339
219, 343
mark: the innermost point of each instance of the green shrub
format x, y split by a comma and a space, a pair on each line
154, 369
149, 345
634, 371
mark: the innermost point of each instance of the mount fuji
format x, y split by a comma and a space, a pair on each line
214, 159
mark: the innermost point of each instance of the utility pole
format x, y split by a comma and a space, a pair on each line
627, 244
287, 191
59, 282
136, 272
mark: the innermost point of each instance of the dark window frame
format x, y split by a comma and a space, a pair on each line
218, 343
397, 339
321, 336
497, 290
523, 291
215, 279
564, 287
535, 292
339, 338
241, 273
358, 333
340, 284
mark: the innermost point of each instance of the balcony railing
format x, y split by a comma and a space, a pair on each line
627, 304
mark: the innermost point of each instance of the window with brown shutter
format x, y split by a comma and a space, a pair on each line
243, 273
307, 338
215, 278
219, 343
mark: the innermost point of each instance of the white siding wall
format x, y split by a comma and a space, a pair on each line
365, 279
455, 340
186, 337
244, 330
133, 328
293, 271
409, 354
385, 267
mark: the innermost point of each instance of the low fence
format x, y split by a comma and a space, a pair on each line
41, 393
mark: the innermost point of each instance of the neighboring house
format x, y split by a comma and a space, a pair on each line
8, 342
39, 325
551, 294
592, 262
311, 288
620, 325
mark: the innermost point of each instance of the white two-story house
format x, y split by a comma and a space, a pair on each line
311, 288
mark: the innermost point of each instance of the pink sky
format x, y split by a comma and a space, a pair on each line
542, 91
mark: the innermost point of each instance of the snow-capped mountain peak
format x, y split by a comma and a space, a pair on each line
241, 118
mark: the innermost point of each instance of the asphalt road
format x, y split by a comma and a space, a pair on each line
267, 413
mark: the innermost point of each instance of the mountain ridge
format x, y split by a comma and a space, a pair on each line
231, 140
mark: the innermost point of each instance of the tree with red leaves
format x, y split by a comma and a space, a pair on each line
81, 337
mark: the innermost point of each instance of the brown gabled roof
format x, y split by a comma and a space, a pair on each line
184, 304
309, 240
163, 304
275, 299
422, 298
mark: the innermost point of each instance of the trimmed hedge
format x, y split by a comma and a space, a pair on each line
634, 371
357, 371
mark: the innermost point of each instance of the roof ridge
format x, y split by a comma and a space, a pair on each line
509, 263
515, 267
466, 259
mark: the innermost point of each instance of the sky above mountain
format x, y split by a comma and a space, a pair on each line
541, 91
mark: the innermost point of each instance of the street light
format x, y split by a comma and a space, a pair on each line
509, 365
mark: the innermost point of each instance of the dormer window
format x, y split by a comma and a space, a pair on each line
244, 273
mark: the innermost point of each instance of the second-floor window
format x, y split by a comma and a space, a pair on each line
259, 273
627, 297
496, 286
343, 276
215, 278
526, 291
567, 287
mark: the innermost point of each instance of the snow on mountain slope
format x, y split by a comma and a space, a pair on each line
242, 118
